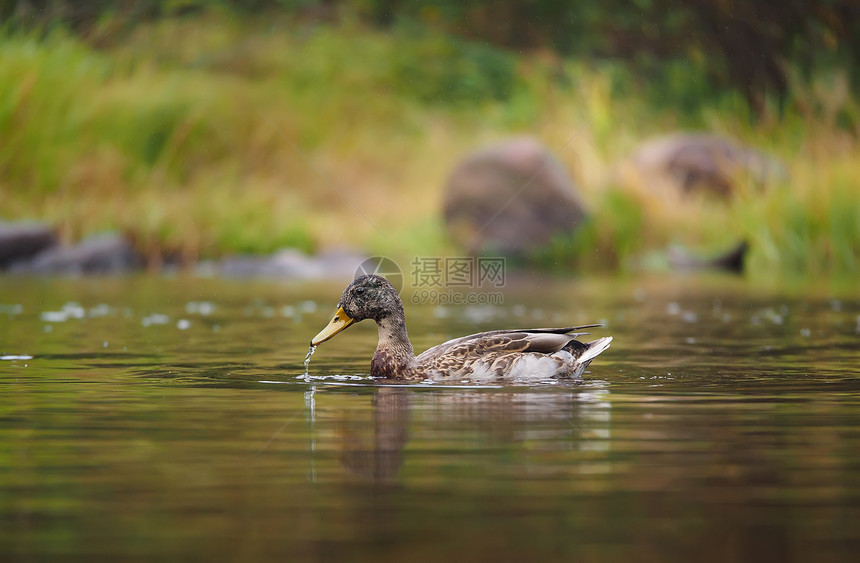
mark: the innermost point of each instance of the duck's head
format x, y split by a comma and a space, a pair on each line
368, 297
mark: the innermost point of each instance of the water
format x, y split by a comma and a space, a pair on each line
311, 350
149, 418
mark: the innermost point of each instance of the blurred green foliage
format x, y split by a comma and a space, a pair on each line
209, 127
450, 70
748, 46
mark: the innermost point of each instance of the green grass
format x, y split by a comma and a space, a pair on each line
213, 134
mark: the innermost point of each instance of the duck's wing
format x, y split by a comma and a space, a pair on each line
537, 340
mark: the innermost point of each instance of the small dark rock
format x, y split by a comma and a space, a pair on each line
731, 261
22, 240
101, 254
510, 199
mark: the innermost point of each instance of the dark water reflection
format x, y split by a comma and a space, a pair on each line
151, 418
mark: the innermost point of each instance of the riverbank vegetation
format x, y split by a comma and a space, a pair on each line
220, 131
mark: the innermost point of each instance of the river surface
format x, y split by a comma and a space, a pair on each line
152, 418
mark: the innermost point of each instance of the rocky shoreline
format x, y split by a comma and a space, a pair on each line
32, 248
540, 201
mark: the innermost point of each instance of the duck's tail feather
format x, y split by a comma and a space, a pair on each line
595, 347
584, 352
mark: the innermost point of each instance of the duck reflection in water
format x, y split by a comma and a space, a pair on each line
381, 460
571, 420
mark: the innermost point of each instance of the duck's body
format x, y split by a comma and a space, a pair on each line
533, 354
498, 355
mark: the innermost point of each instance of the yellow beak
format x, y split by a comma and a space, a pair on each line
340, 321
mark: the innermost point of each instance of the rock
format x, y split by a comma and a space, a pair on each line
108, 253
340, 263
703, 162
510, 199
287, 263
731, 261
22, 240
291, 263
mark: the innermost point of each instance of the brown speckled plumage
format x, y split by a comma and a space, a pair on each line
498, 355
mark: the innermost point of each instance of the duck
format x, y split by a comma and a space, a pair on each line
529, 355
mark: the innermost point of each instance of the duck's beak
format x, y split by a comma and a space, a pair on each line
340, 321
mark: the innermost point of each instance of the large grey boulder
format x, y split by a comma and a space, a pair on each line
692, 162
108, 253
20, 240
510, 199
